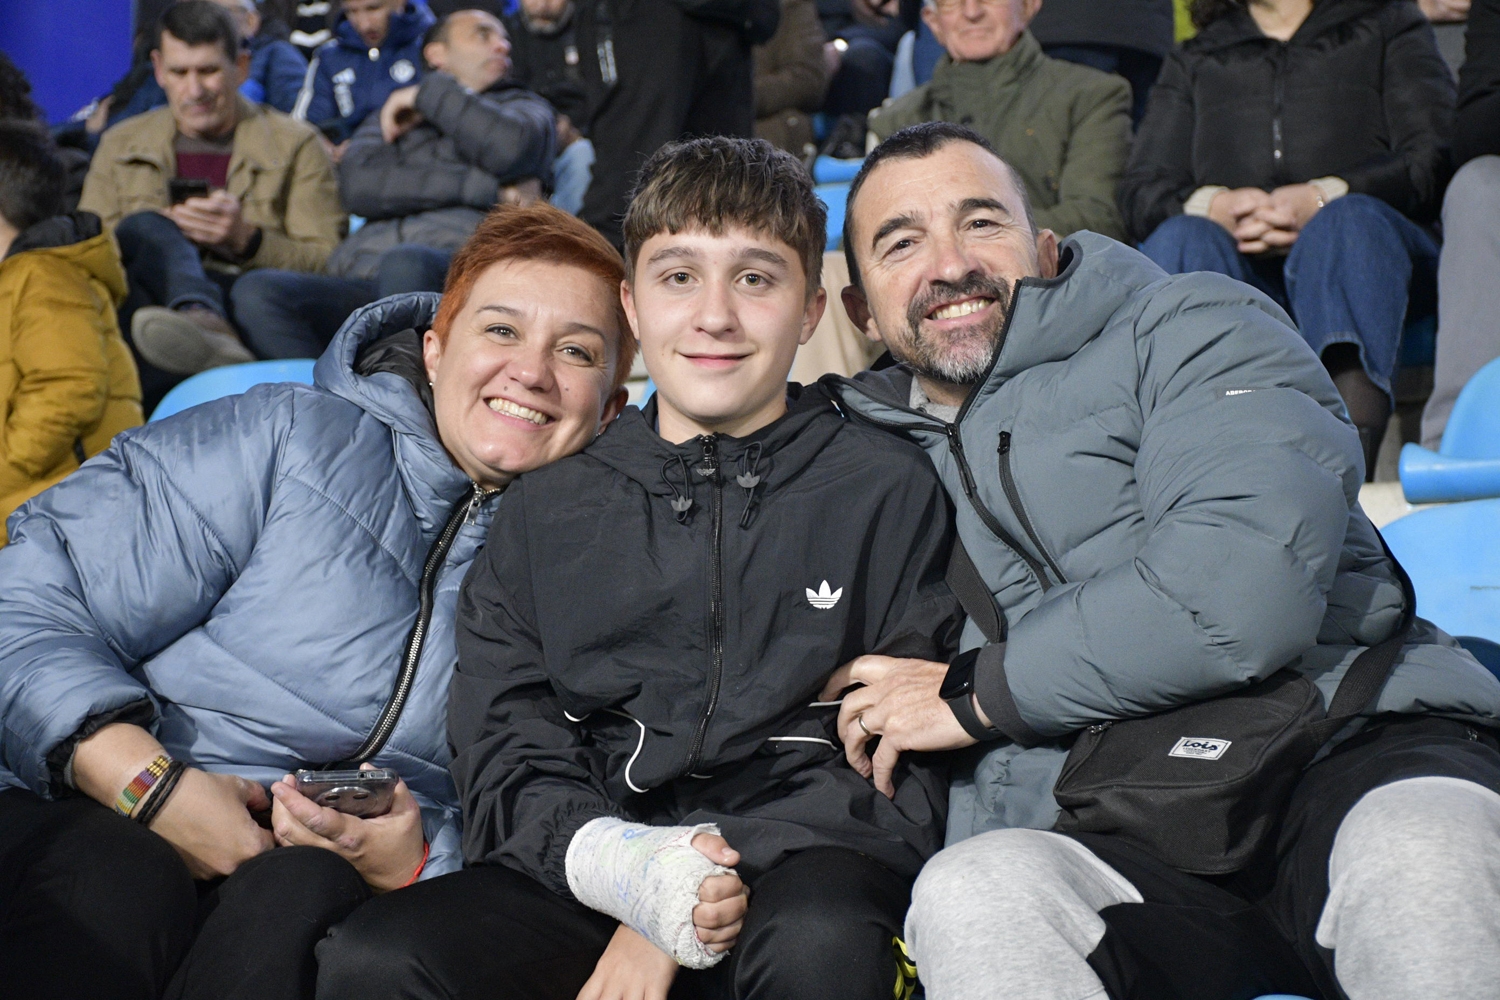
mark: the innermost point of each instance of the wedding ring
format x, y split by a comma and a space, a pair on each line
861, 720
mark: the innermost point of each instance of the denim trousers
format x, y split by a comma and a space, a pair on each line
288, 314
1355, 271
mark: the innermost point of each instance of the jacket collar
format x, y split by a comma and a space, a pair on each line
432, 481
405, 27
961, 82
153, 134
776, 453
1238, 27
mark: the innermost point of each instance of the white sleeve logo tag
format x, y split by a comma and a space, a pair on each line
1201, 747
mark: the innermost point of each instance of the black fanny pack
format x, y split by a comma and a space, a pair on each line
1201, 787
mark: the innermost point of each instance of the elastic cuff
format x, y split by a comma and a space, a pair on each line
1199, 201
555, 860
1330, 187
992, 691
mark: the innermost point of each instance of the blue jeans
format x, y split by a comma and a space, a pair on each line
571, 173
1350, 278
288, 314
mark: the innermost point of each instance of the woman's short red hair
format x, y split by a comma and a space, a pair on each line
537, 232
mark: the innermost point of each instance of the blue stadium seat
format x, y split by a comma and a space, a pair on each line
834, 196
230, 380
1453, 556
1467, 464
827, 170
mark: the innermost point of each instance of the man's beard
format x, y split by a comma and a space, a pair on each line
962, 356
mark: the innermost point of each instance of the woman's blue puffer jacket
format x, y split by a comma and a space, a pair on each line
247, 572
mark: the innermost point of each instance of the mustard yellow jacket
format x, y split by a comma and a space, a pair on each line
278, 171
67, 381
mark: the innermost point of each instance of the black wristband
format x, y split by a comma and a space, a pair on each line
159, 793
963, 710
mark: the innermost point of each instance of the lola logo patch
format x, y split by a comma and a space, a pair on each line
1200, 747
822, 599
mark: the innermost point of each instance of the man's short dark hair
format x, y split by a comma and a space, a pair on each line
32, 176
199, 22
716, 182
15, 92
917, 142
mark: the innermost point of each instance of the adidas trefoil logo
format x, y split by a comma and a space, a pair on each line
822, 599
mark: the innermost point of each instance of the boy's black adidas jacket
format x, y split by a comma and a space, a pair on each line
649, 625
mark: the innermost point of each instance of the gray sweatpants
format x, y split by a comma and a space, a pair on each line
1413, 911
1468, 295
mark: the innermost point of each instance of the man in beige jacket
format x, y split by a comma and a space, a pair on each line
202, 190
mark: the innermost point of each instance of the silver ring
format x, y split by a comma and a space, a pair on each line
861, 720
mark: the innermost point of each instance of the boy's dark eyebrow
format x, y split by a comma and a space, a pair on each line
763, 255
889, 226
673, 251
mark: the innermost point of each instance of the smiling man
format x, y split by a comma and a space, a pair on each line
1156, 484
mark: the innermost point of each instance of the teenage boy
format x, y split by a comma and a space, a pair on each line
649, 778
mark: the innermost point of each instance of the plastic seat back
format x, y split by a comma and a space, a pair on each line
1473, 429
1452, 554
836, 197
231, 380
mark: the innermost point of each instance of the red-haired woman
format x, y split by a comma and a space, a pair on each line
264, 582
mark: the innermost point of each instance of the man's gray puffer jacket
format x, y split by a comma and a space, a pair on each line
434, 184
1158, 482
242, 578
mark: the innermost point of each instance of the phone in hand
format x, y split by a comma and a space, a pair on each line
182, 188
365, 794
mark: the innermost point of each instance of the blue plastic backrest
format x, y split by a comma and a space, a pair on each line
1452, 554
827, 170
1473, 429
835, 196
231, 380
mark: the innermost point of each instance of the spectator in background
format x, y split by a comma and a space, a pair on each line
1128, 37
376, 48
16, 105
861, 54
277, 68
791, 77
1260, 157
67, 383
548, 58
1064, 128
423, 172
271, 198
1468, 294
649, 72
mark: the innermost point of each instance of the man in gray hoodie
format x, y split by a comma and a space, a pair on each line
1158, 485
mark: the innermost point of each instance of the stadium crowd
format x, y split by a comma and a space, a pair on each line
760, 688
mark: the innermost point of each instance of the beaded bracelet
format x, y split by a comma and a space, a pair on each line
130, 796
158, 795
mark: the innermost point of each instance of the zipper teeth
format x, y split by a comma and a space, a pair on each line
1013, 494
956, 445
716, 602
391, 714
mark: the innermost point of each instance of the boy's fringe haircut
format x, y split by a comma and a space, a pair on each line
717, 182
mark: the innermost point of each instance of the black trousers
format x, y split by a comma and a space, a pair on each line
93, 905
1252, 933
678, 76
821, 926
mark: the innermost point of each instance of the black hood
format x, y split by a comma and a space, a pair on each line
58, 231
772, 456
1238, 26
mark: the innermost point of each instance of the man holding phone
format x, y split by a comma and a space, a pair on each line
201, 191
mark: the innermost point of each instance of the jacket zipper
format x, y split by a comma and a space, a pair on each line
956, 447
1013, 494
462, 512
710, 469
1278, 91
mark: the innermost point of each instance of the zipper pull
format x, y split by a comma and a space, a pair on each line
1099, 727
476, 498
710, 467
1005, 442
956, 443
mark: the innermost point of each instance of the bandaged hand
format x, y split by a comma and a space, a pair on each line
653, 880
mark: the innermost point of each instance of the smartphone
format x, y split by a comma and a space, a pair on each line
365, 794
183, 188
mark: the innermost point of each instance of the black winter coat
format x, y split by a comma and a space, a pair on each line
1478, 131
1359, 92
623, 653
1143, 25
